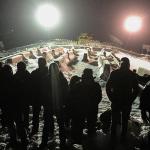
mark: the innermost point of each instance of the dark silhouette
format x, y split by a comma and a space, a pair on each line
55, 89
145, 103
91, 92
86, 95
36, 79
22, 86
105, 119
134, 71
122, 89
13, 116
143, 79
73, 81
1, 66
69, 109
3, 122
71, 96
74, 110
144, 141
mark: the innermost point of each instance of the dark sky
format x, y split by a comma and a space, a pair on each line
101, 18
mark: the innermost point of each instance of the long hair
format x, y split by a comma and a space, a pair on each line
55, 86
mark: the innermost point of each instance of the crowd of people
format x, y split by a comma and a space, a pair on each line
74, 105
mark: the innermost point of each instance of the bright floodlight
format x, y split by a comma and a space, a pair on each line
47, 15
133, 23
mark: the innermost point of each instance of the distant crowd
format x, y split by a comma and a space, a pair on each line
74, 105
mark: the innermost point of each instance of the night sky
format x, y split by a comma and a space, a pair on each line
101, 18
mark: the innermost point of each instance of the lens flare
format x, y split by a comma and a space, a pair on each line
47, 15
133, 23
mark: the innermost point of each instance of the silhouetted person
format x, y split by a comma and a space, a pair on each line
12, 109
122, 89
22, 80
36, 79
91, 92
145, 103
3, 122
88, 94
56, 92
69, 104
71, 96
74, 111
48, 129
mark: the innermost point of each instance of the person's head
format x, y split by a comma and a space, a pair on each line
21, 66
41, 62
54, 68
87, 74
7, 70
125, 63
74, 79
134, 70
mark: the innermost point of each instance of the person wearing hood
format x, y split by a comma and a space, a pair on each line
88, 96
122, 89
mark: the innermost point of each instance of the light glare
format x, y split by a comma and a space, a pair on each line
47, 15
133, 23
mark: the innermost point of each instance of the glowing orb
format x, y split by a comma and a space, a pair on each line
47, 15
133, 23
